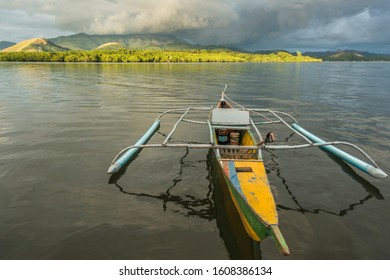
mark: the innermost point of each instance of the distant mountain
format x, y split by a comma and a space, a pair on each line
35, 45
349, 55
5, 44
84, 41
219, 47
272, 51
79, 41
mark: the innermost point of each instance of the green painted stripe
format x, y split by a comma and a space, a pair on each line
257, 224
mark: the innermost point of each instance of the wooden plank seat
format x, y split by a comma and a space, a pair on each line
237, 154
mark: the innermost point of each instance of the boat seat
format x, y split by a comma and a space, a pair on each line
237, 153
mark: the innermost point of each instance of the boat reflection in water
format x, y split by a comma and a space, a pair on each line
231, 229
216, 205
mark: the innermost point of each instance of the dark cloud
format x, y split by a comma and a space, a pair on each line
256, 24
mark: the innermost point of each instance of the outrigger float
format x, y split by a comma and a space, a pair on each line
239, 154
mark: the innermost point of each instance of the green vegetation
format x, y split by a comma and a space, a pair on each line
124, 55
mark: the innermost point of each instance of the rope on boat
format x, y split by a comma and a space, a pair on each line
175, 126
266, 147
267, 122
275, 113
213, 145
242, 107
120, 153
269, 147
283, 113
183, 109
257, 131
211, 133
192, 121
334, 143
311, 144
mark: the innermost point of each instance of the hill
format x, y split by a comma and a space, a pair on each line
82, 41
6, 44
111, 46
35, 45
348, 55
158, 42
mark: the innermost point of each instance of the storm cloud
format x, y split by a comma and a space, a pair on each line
252, 24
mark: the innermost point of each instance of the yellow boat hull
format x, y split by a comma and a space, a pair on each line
251, 193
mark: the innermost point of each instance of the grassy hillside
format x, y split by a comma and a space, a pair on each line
34, 45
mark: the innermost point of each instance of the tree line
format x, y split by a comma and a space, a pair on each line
152, 56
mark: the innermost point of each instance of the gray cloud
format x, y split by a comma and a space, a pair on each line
256, 24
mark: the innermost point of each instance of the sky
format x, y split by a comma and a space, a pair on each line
250, 24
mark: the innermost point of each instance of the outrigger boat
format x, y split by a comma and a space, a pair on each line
239, 155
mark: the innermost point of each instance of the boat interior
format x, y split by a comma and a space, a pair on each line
231, 127
235, 137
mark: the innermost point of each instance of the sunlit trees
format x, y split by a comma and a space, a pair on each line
124, 56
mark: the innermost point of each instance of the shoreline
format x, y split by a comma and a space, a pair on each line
153, 56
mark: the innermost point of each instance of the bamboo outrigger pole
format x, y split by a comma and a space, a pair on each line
125, 156
374, 171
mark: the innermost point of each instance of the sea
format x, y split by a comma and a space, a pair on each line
61, 125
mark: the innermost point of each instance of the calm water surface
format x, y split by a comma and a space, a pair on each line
62, 124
